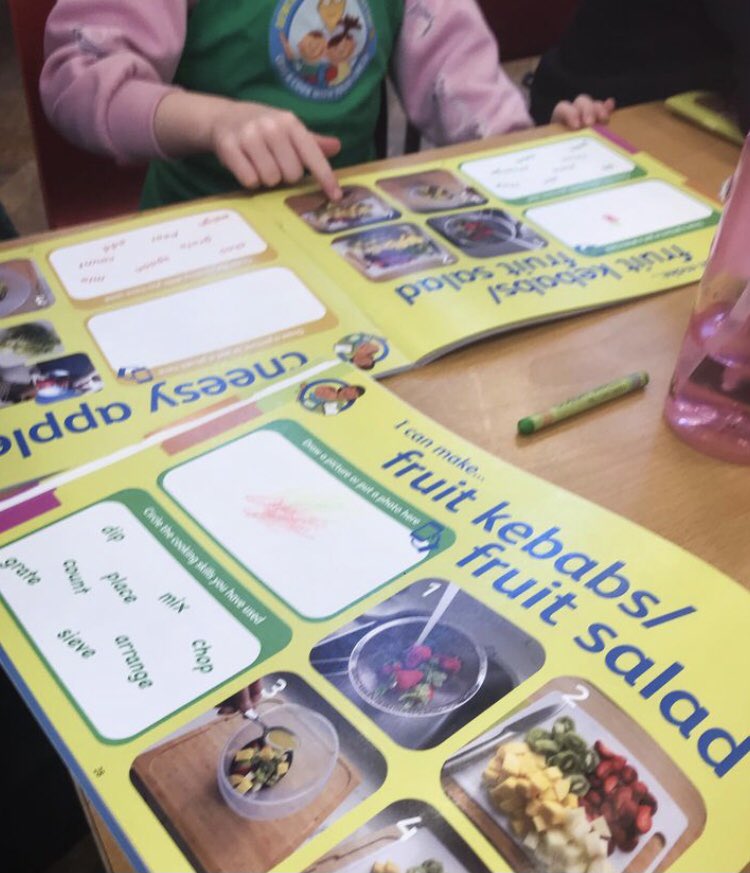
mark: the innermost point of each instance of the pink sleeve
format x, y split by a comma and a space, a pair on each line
447, 71
108, 64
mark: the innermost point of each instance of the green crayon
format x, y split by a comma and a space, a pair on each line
587, 400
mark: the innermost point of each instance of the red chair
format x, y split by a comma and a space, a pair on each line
76, 185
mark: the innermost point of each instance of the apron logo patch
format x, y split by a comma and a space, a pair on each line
321, 47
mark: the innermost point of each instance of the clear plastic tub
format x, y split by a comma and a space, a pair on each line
315, 754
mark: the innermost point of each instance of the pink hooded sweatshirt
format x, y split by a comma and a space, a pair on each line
110, 62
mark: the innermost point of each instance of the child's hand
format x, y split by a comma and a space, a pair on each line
584, 111
261, 145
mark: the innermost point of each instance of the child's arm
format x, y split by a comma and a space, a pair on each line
106, 86
447, 71
450, 80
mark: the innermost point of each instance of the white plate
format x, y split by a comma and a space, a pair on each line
669, 820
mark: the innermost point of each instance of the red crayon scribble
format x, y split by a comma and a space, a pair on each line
282, 515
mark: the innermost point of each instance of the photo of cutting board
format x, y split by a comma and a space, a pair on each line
178, 781
681, 815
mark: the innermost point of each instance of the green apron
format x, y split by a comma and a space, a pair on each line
324, 60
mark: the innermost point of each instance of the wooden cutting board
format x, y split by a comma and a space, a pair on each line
632, 737
178, 781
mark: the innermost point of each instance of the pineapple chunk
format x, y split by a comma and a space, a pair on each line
548, 794
512, 764
244, 755
266, 753
562, 788
539, 823
571, 802
533, 807
491, 775
390, 867
282, 768
540, 780
553, 773
516, 747
235, 779
245, 785
519, 826
510, 806
531, 840
553, 813
525, 789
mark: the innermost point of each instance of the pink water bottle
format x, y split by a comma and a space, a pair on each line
709, 399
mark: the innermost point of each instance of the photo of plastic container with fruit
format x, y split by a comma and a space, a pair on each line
570, 783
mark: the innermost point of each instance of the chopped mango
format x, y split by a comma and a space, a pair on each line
553, 812
235, 779
266, 753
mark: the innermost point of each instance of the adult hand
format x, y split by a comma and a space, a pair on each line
245, 699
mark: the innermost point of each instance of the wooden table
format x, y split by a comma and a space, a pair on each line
621, 456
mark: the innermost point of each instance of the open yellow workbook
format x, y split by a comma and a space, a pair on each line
110, 333
316, 631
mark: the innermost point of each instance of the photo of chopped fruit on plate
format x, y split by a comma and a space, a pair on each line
570, 804
258, 765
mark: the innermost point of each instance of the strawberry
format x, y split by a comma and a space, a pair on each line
629, 774
450, 663
593, 797
649, 800
618, 762
629, 844
406, 679
610, 783
603, 769
602, 750
390, 668
643, 820
639, 789
417, 655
